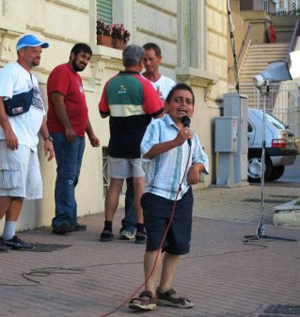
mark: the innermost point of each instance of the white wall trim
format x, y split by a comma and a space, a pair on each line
197, 78
157, 7
68, 4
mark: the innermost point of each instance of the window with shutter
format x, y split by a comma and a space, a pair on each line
266, 6
104, 11
286, 5
186, 32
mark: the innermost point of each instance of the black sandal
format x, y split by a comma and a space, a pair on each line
169, 298
106, 236
145, 301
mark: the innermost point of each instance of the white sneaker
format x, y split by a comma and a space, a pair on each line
127, 234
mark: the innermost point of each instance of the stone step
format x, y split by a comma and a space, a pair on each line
254, 69
268, 48
254, 62
255, 66
282, 44
249, 74
266, 55
273, 50
248, 80
251, 70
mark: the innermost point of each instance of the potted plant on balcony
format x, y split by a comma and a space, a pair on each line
104, 34
120, 36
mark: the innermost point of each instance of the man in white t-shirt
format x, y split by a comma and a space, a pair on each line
152, 60
162, 85
20, 175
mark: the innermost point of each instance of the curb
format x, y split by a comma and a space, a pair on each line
287, 214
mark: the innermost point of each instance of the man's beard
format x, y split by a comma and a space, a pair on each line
76, 67
35, 63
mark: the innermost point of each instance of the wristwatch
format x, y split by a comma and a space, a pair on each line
49, 137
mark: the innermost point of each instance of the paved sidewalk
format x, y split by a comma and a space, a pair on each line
243, 203
221, 275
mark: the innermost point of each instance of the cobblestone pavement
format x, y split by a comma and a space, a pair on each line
222, 275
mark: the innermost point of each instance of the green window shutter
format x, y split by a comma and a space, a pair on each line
186, 32
104, 11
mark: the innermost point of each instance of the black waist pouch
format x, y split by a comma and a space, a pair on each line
18, 104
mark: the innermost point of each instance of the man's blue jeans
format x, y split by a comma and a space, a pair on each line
128, 222
68, 158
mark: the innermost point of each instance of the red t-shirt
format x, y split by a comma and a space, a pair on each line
63, 80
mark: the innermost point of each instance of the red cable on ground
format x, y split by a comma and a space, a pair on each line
160, 246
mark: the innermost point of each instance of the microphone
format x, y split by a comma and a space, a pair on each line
185, 120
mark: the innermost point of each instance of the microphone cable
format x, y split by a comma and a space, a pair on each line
161, 243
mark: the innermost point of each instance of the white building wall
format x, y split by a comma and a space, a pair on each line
65, 22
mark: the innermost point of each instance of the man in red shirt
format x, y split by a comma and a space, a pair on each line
67, 123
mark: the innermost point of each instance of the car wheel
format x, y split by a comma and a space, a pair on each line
276, 172
254, 164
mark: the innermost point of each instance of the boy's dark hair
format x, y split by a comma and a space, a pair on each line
81, 47
154, 47
180, 86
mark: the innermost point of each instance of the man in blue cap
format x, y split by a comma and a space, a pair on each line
22, 118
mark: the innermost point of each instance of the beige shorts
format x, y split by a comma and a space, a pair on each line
121, 168
20, 173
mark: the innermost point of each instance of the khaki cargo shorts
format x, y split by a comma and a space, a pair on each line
20, 174
121, 168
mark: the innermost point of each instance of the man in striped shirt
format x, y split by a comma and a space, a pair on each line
174, 165
130, 101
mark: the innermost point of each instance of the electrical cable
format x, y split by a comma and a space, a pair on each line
161, 243
231, 31
59, 270
48, 271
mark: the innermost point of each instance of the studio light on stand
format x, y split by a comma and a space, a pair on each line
276, 71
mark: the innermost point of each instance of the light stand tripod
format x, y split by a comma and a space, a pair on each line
261, 229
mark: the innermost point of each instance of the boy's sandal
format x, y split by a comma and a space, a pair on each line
145, 301
169, 298
106, 236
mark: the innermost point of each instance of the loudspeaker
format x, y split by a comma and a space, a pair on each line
295, 64
276, 71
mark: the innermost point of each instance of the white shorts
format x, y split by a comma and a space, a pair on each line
20, 173
121, 168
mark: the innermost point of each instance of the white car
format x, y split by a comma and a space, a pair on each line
280, 146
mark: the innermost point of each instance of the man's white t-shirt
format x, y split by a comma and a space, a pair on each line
165, 84
14, 79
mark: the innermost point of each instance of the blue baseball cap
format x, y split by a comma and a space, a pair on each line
30, 40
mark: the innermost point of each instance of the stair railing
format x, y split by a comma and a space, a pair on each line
242, 48
292, 42
244, 42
